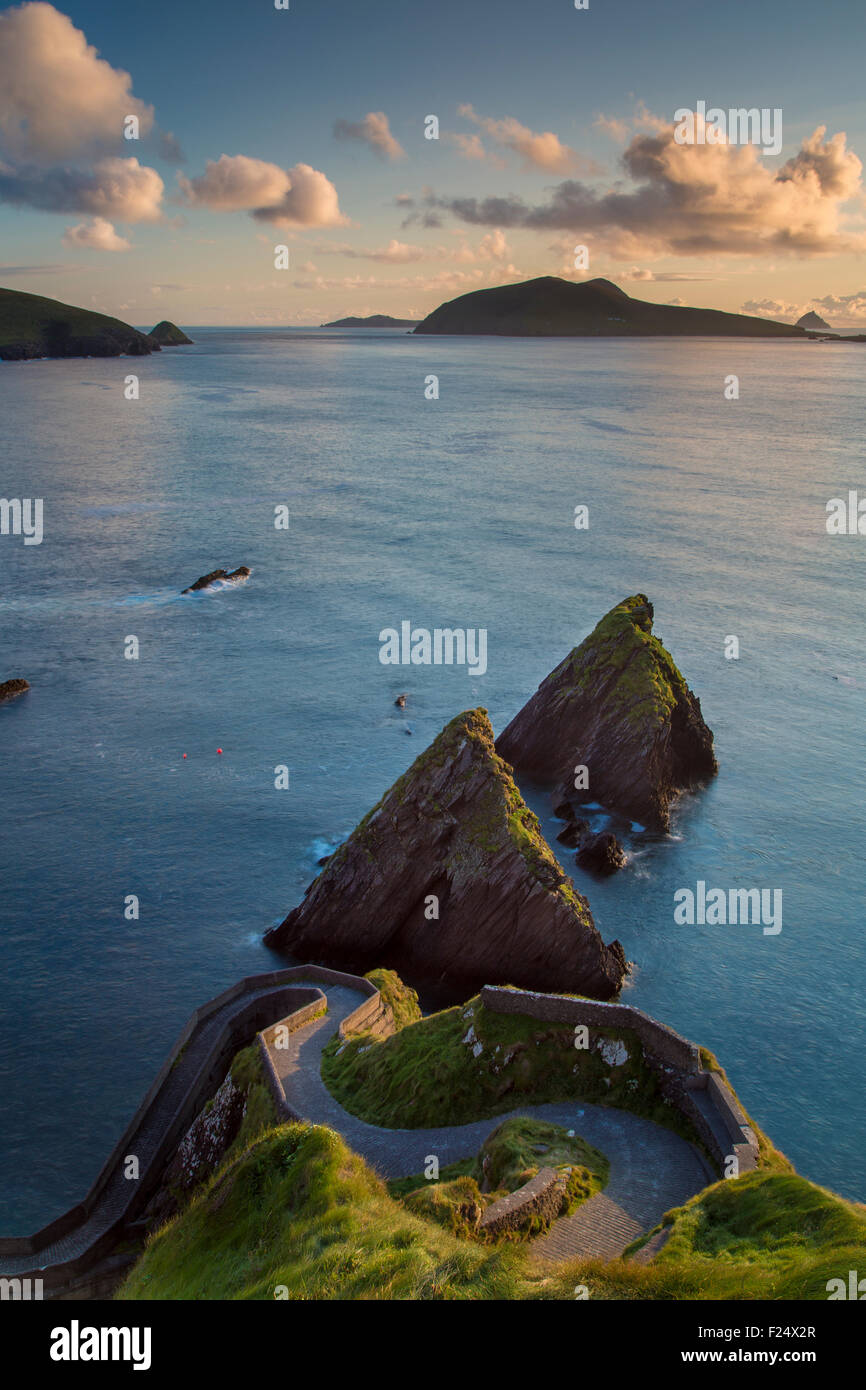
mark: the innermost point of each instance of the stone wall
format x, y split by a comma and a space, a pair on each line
702, 1096
190, 1074
541, 1196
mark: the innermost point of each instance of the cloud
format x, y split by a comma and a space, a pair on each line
170, 149
58, 99
493, 246
235, 183
845, 309
696, 200
296, 197
771, 309
660, 276
542, 150
846, 306
375, 132
311, 201
444, 280
120, 190
97, 234
7, 271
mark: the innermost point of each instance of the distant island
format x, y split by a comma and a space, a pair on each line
168, 335
813, 323
32, 326
374, 321
550, 306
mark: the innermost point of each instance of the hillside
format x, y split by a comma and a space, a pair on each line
372, 321
292, 1212
550, 306
167, 334
32, 326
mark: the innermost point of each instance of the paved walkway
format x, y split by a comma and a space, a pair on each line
651, 1169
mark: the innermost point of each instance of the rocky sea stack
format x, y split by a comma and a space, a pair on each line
619, 706
453, 836
168, 335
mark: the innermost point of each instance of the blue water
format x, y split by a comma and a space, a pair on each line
456, 512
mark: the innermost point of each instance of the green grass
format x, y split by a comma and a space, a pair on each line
427, 1075
298, 1211
31, 319
397, 996
511, 1156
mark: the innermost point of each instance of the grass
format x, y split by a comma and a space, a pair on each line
297, 1215
397, 996
31, 319
428, 1074
511, 1156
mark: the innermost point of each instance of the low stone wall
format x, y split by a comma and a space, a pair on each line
170, 1105
372, 1015
702, 1096
658, 1040
541, 1196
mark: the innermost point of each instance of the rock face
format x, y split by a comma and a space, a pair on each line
168, 335
219, 576
813, 323
32, 326
592, 308
9, 689
617, 705
454, 829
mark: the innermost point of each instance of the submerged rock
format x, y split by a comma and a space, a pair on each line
235, 577
450, 881
619, 706
601, 854
9, 689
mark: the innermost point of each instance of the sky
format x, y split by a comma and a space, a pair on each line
306, 128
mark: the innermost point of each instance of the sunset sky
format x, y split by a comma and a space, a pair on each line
306, 127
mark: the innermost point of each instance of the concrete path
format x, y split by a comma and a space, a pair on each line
651, 1169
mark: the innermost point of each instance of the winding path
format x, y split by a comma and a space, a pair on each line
651, 1168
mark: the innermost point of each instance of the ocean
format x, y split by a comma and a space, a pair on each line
454, 512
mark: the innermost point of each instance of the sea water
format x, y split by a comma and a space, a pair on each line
456, 512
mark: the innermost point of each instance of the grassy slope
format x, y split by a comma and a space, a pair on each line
24, 319
427, 1075
298, 1211
292, 1206
510, 1156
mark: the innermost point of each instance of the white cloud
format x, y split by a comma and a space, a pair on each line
97, 234
296, 197
539, 150
374, 131
235, 183
58, 99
